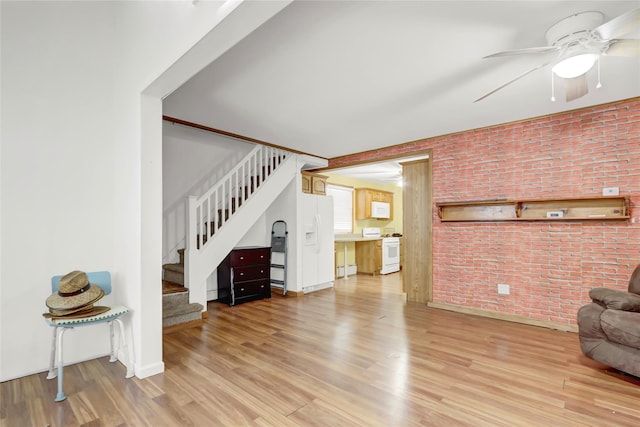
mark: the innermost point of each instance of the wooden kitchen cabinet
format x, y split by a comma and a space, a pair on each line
245, 275
369, 256
364, 197
313, 183
306, 182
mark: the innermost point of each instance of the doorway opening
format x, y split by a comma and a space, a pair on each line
386, 176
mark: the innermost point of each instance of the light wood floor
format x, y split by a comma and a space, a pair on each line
355, 355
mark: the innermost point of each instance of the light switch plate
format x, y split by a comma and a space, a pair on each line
610, 191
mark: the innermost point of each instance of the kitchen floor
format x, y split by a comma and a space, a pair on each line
384, 284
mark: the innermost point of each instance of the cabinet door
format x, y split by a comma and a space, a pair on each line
363, 203
378, 252
369, 256
306, 183
319, 185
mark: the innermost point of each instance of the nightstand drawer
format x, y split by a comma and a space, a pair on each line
256, 287
250, 257
252, 272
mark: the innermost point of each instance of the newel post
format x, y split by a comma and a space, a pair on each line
191, 239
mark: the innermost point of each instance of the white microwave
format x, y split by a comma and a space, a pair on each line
380, 210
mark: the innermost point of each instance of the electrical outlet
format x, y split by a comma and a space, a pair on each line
503, 289
610, 191
555, 214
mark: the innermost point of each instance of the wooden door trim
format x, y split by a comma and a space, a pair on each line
428, 284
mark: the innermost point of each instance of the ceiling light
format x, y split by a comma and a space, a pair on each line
575, 66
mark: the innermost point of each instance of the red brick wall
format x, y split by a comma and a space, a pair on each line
550, 267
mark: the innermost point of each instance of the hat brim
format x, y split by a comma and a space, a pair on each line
88, 312
85, 307
57, 302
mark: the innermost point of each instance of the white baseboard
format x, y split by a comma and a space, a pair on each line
318, 287
150, 370
352, 270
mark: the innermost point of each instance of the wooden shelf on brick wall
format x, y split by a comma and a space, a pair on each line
578, 209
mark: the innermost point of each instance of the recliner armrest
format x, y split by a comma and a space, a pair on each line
615, 299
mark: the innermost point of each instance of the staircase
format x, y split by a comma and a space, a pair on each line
177, 312
222, 214
218, 220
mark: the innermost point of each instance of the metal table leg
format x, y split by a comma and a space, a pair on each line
52, 361
346, 275
60, 397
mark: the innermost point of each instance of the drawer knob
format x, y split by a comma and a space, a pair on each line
242, 289
262, 286
242, 274
261, 271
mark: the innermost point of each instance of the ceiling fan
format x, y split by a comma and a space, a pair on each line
575, 44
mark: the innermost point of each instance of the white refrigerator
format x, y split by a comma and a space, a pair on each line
317, 242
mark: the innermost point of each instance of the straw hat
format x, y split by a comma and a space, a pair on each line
74, 291
86, 311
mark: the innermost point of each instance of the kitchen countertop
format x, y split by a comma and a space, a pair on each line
353, 238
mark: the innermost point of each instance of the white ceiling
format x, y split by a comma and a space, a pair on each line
385, 172
335, 78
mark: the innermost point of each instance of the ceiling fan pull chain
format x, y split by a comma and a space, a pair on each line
553, 93
599, 85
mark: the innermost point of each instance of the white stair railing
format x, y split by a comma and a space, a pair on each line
174, 217
210, 212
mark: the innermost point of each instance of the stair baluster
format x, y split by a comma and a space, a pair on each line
218, 205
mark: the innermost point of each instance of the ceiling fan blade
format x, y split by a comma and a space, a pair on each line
576, 88
524, 51
519, 76
624, 47
619, 26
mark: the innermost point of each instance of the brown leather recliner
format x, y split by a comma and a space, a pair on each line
609, 327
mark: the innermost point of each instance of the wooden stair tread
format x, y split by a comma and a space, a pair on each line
172, 288
174, 267
182, 326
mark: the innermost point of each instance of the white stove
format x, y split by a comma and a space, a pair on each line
390, 255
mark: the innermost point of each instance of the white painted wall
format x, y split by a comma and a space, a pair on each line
81, 156
190, 154
285, 208
57, 169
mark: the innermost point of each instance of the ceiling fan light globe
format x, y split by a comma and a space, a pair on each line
575, 66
